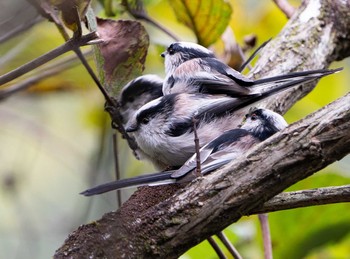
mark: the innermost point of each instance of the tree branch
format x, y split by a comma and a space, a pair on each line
209, 204
67, 46
285, 7
156, 223
305, 198
47, 71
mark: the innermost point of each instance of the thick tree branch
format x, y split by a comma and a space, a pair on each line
156, 223
317, 35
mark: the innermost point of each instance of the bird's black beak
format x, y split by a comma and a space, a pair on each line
131, 128
163, 54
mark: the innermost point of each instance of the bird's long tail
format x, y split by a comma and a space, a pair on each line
281, 82
147, 179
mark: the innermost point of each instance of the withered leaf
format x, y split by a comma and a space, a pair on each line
123, 52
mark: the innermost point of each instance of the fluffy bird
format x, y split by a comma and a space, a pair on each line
258, 125
192, 68
138, 92
134, 95
163, 128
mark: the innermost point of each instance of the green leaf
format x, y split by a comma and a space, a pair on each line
122, 54
208, 19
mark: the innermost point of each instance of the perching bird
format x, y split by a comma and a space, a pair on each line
192, 68
138, 92
163, 128
259, 124
134, 95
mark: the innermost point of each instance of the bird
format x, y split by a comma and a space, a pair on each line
192, 68
138, 92
134, 95
258, 125
163, 128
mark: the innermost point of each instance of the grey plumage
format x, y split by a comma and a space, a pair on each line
191, 68
259, 124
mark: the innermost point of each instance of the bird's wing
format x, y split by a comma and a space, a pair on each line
240, 144
207, 75
224, 147
219, 78
199, 108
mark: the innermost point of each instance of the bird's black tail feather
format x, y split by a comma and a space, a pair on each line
317, 73
274, 89
147, 179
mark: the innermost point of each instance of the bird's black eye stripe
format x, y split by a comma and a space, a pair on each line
161, 108
145, 120
255, 114
171, 49
253, 117
145, 116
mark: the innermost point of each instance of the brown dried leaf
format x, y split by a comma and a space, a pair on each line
123, 52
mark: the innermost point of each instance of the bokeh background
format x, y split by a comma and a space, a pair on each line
56, 141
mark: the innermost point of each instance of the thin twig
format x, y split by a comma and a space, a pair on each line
117, 169
196, 145
252, 56
217, 249
67, 46
285, 7
140, 14
19, 29
50, 70
198, 172
229, 245
265, 230
77, 35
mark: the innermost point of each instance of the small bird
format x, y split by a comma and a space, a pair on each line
259, 124
163, 128
134, 95
192, 68
138, 92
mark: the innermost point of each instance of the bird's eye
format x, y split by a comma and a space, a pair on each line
145, 120
171, 51
253, 117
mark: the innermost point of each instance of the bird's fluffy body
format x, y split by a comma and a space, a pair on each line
229, 145
191, 68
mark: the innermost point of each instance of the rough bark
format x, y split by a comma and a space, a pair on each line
305, 198
156, 223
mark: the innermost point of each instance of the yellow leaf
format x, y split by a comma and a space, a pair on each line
208, 19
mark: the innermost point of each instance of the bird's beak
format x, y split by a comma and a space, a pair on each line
163, 54
131, 127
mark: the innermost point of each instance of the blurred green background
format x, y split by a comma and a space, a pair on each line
56, 141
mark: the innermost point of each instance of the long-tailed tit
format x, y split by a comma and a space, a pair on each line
163, 127
134, 95
192, 68
138, 92
259, 125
